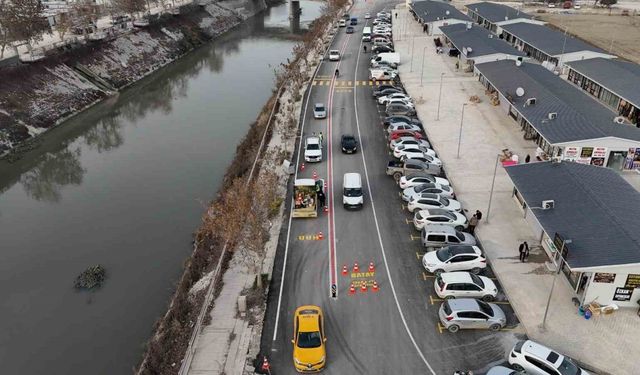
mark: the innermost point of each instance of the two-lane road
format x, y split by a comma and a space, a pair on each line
392, 330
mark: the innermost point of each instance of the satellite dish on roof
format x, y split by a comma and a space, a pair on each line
447, 13
519, 91
518, 62
506, 18
468, 25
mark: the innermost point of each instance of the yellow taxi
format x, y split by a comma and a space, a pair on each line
309, 352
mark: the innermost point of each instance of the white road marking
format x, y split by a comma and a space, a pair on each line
375, 218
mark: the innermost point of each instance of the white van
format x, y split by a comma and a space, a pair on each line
393, 58
352, 196
381, 75
366, 34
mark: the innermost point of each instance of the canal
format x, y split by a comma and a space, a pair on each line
124, 185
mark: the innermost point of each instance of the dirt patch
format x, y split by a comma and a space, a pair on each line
601, 29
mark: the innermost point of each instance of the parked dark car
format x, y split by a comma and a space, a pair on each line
348, 143
387, 91
382, 49
399, 118
349, 30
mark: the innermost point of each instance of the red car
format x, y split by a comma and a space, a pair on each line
405, 133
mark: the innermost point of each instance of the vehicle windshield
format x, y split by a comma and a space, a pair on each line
352, 192
460, 235
477, 280
349, 141
319, 108
444, 201
567, 367
313, 146
443, 254
309, 339
485, 308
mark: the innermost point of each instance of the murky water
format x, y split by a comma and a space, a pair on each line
123, 185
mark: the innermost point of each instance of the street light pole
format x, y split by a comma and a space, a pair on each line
422, 72
413, 46
460, 134
564, 44
493, 183
439, 97
553, 284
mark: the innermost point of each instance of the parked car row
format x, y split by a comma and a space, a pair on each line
385, 61
531, 358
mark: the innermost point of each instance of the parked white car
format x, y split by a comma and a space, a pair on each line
409, 141
334, 55
537, 359
410, 151
444, 191
454, 258
406, 182
439, 216
465, 285
312, 150
367, 16
398, 95
428, 201
423, 157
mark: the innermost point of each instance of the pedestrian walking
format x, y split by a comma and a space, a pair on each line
337, 73
521, 251
396, 15
524, 251
478, 215
365, 48
473, 222
527, 159
321, 137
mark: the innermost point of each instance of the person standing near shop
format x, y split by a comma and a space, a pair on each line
473, 222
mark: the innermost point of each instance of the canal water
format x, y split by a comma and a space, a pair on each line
124, 185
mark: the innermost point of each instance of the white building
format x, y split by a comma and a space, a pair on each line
561, 119
584, 218
492, 15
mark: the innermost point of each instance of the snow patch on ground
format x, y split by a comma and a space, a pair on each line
201, 284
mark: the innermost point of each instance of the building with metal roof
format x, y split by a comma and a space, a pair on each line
583, 216
562, 120
493, 15
548, 45
478, 45
433, 14
613, 82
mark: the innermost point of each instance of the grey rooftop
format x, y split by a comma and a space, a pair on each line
579, 116
429, 11
593, 206
496, 12
548, 40
620, 77
481, 40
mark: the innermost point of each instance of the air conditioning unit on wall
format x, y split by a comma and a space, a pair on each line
548, 204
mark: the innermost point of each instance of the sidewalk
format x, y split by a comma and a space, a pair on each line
607, 343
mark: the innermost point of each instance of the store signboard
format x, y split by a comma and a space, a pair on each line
571, 152
632, 161
587, 152
599, 162
623, 294
633, 281
601, 277
599, 152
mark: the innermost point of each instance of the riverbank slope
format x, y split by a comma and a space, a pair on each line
36, 97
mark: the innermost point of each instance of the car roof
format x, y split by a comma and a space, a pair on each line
463, 304
436, 211
439, 228
319, 104
348, 136
334, 51
414, 162
456, 277
313, 139
430, 196
542, 352
463, 249
308, 318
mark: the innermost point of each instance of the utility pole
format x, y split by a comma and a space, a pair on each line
439, 97
460, 134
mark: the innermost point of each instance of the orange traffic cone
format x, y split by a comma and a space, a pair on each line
320, 235
265, 364
326, 209
363, 287
302, 167
344, 270
315, 175
372, 268
375, 286
352, 289
355, 267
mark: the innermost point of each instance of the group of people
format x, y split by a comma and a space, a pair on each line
473, 222
305, 201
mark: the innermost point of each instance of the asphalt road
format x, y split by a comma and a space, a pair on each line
392, 330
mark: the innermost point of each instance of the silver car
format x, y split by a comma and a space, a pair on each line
399, 109
442, 190
469, 313
319, 111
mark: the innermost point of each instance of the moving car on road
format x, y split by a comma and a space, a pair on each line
465, 285
319, 111
334, 55
342, 23
469, 313
309, 352
349, 30
367, 16
439, 216
312, 150
348, 143
305, 197
352, 195
454, 258
537, 359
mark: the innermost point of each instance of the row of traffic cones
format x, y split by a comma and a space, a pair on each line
363, 288
356, 268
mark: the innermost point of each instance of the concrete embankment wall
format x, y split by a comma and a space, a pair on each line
38, 96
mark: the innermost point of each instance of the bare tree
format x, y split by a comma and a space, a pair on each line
63, 25
226, 218
23, 20
85, 13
